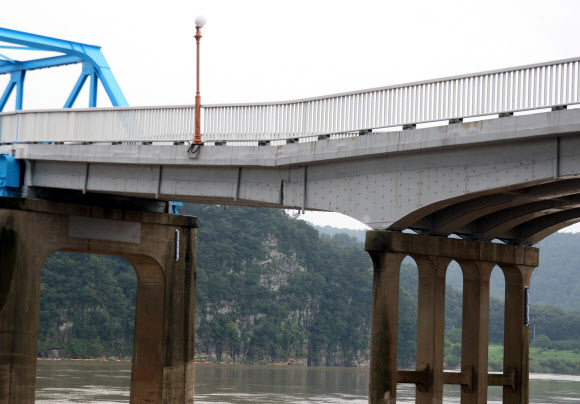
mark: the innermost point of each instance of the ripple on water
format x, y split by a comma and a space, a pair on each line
106, 383
88, 394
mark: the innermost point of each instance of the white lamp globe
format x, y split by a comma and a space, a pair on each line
200, 21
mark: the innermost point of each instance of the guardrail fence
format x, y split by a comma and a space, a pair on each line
517, 89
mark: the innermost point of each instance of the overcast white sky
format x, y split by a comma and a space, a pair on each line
258, 50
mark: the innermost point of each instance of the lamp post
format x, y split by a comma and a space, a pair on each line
199, 23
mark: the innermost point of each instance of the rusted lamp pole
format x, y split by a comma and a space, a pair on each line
199, 23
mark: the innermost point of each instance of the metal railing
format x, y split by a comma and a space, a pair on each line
494, 92
147, 124
511, 90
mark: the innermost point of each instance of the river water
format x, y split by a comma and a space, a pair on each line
60, 382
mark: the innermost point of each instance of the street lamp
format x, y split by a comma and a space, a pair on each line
199, 23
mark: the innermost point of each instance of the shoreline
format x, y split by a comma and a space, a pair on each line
130, 360
295, 364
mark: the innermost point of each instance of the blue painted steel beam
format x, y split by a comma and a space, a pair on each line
88, 71
16, 81
7, 58
93, 90
89, 54
19, 78
76, 90
6, 94
39, 64
14, 47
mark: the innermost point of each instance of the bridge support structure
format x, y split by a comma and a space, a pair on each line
433, 255
162, 250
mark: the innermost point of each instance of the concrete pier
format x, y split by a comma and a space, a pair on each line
433, 255
161, 248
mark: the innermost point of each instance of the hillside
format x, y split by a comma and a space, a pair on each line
557, 279
270, 289
555, 282
358, 235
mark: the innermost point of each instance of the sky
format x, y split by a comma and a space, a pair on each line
256, 50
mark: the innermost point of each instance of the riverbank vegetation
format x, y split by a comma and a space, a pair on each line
542, 360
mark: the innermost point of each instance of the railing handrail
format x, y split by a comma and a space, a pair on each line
72, 110
308, 99
521, 88
396, 86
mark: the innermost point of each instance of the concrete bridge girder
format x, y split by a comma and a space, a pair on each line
384, 190
428, 179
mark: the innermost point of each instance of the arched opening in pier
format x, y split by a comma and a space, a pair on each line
496, 326
453, 320
87, 313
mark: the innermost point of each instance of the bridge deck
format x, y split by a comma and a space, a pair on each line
439, 180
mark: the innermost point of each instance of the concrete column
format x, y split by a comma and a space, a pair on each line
384, 327
475, 329
431, 326
516, 334
164, 344
161, 248
179, 347
147, 363
20, 264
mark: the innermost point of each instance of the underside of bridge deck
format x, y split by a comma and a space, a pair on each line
432, 255
516, 215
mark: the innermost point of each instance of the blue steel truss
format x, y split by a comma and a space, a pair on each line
94, 66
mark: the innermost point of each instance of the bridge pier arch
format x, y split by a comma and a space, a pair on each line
432, 255
162, 250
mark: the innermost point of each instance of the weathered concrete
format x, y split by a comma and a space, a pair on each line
516, 335
460, 178
433, 255
475, 328
431, 325
30, 230
384, 326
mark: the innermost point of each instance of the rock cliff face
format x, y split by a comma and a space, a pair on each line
274, 271
277, 267
309, 304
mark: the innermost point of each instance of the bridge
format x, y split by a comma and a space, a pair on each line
485, 157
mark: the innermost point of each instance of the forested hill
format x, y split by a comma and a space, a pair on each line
556, 281
269, 288
358, 235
